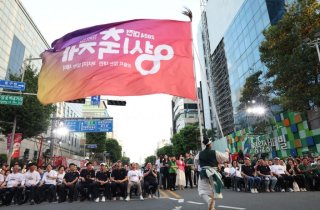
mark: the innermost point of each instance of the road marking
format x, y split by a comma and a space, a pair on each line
192, 202
164, 194
174, 199
177, 208
174, 194
231, 207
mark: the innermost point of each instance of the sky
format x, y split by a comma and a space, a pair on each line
145, 120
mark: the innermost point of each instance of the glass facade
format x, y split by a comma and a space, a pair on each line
242, 41
16, 57
237, 57
18, 31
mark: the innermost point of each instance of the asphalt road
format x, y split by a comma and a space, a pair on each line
189, 200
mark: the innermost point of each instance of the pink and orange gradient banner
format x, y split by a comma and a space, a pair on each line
131, 58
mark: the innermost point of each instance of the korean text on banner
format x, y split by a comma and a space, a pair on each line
136, 57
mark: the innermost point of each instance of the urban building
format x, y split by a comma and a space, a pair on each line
21, 41
184, 112
231, 52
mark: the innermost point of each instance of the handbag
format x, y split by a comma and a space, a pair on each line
296, 187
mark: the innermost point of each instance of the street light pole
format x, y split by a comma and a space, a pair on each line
15, 115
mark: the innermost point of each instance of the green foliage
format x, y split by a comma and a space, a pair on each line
292, 63
33, 118
114, 150
166, 150
97, 138
252, 90
3, 158
125, 160
210, 134
187, 139
150, 159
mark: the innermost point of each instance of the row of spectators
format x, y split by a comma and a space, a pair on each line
260, 175
36, 185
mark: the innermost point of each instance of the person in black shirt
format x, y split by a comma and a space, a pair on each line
264, 171
249, 174
69, 182
87, 178
150, 180
165, 172
119, 181
102, 182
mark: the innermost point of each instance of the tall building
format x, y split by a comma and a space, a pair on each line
233, 53
19, 38
184, 112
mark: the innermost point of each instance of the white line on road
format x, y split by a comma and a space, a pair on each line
174, 199
195, 202
231, 207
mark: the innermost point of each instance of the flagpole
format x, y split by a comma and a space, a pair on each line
188, 13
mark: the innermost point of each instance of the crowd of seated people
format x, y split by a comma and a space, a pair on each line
262, 175
71, 183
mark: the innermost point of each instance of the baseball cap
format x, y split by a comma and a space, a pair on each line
276, 158
102, 164
247, 158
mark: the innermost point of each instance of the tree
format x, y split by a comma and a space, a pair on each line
98, 138
293, 68
150, 159
166, 150
187, 139
210, 133
125, 160
114, 150
33, 118
252, 90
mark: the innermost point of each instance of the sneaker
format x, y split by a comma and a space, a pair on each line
255, 190
238, 189
252, 190
149, 196
282, 190
114, 198
127, 198
267, 190
97, 200
141, 198
121, 198
290, 190
103, 199
218, 196
272, 190
32, 202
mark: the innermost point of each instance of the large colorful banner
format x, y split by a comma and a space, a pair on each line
136, 57
16, 144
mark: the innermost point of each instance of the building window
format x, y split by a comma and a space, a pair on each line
16, 57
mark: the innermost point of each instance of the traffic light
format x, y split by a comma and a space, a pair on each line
78, 101
116, 103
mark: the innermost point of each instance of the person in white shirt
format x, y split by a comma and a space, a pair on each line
14, 186
134, 179
235, 173
49, 182
284, 178
32, 180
